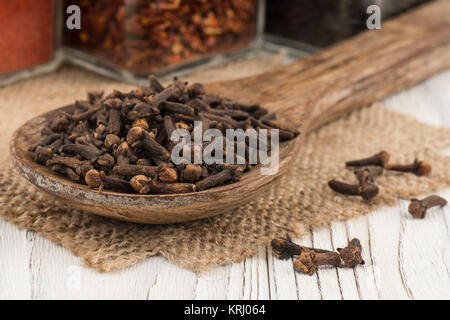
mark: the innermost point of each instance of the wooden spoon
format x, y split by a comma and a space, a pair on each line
308, 93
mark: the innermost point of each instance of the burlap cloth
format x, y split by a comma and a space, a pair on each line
302, 200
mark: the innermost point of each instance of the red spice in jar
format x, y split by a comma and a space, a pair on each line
145, 36
26, 33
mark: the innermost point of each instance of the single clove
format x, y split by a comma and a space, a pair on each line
308, 260
141, 123
285, 248
419, 168
195, 89
305, 262
88, 152
93, 179
114, 183
65, 170
130, 170
83, 169
106, 162
367, 175
367, 190
42, 154
175, 107
192, 173
417, 208
155, 85
124, 154
379, 159
139, 182
69, 162
112, 141
137, 135
113, 109
229, 174
351, 254
47, 137
167, 174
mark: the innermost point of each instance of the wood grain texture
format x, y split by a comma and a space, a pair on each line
405, 258
308, 93
355, 72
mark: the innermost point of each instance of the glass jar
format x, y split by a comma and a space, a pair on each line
321, 23
156, 36
28, 38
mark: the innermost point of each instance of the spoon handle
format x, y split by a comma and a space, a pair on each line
355, 72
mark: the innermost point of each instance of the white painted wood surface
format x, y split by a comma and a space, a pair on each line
405, 258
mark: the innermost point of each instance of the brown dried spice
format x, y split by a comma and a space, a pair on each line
308, 259
417, 208
144, 36
122, 141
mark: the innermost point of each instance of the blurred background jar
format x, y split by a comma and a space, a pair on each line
313, 24
28, 39
132, 38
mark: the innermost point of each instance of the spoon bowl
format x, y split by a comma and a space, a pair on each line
150, 209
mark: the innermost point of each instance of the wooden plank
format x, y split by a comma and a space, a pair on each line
424, 243
446, 249
169, 281
54, 273
245, 280
308, 287
347, 280
421, 253
57, 274
282, 278
214, 284
256, 284
365, 276
328, 279
14, 263
428, 102
384, 226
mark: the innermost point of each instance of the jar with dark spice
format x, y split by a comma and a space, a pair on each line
138, 37
320, 23
28, 38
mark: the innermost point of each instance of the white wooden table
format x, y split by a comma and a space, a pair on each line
405, 258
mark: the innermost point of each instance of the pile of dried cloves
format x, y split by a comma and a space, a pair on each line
374, 166
308, 259
122, 141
